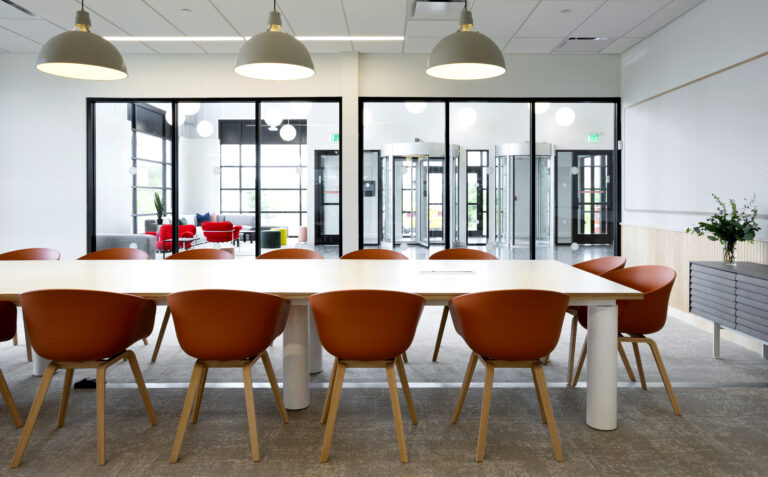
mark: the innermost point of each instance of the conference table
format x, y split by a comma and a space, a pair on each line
436, 280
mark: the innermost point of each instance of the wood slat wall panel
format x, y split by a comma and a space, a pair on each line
675, 249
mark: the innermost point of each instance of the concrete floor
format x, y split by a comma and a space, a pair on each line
722, 431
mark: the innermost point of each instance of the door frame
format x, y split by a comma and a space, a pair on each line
319, 195
483, 197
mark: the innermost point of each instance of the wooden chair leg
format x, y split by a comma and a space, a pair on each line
664, 376
405, 357
581, 364
162, 333
443, 320
186, 411
545, 361
251, 411
9, 403
101, 429
636, 348
406, 390
139, 378
538, 375
334, 409
572, 348
27, 343
627, 366
395, 400
538, 396
485, 412
42, 390
199, 394
65, 396
464, 387
329, 394
145, 341
273, 384
16, 339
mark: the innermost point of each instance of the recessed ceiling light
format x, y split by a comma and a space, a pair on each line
565, 10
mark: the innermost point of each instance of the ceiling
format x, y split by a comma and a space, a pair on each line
517, 26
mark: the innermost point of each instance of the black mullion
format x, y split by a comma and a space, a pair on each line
532, 231
175, 133
257, 150
90, 178
447, 231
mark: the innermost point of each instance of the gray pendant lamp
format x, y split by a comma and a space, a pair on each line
274, 54
81, 54
465, 54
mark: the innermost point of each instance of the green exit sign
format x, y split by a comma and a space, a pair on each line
333, 137
593, 137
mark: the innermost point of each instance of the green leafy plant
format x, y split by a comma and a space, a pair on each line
158, 206
730, 226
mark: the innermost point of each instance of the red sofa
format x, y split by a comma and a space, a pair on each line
222, 232
166, 232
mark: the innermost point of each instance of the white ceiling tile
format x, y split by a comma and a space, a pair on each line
378, 46
316, 17
431, 28
221, 47
531, 45
547, 20
584, 46
328, 46
662, 18
616, 18
172, 48
249, 17
131, 47
375, 17
37, 30
501, 18
133, 16
202, 19
621, 45
62, 13
17, 44
420, 44
7, 11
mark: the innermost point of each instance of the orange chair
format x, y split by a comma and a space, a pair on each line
116, 254
194, 254
68, 327
29, 254
291, 253
454, 254
643, 317
7, 332
366, 329
509, 329
598, 266
374, 254
227, 329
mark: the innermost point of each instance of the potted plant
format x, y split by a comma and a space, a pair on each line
159, 208
730, 226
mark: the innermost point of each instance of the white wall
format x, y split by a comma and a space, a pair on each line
43, 177
113, 163
714, 35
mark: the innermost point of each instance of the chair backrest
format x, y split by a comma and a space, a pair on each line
291, 253
165, 232
31, 254
217, 226
116, 254
202, 254
7, 320
84, 325
462, 254
514, 325
227, 324
602, 265
374, 254
649, 314
366, 325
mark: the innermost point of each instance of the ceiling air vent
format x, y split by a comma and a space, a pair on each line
437, 10
583, 44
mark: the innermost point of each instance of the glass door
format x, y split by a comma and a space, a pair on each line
327, 182
423, 218
591, 198
477, 197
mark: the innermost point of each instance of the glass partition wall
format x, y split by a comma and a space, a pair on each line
494, 192
259, 184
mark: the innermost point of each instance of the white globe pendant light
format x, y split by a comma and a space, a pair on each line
287, 133
80, 54
204, 128
189, 109
274, 54
415, 107
466, 54
565, 116
273, 117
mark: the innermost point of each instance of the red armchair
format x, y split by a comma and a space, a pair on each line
166, 233
221, 232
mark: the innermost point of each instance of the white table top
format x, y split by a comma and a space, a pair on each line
297, 279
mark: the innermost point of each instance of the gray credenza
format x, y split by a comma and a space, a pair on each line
734, 297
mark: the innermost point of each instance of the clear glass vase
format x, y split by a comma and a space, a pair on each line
729, 253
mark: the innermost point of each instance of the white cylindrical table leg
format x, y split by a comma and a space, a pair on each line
296, 358
315, 347
39, 364
602, 373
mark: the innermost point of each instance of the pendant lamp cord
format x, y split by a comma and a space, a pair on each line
82, 4
274, 5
